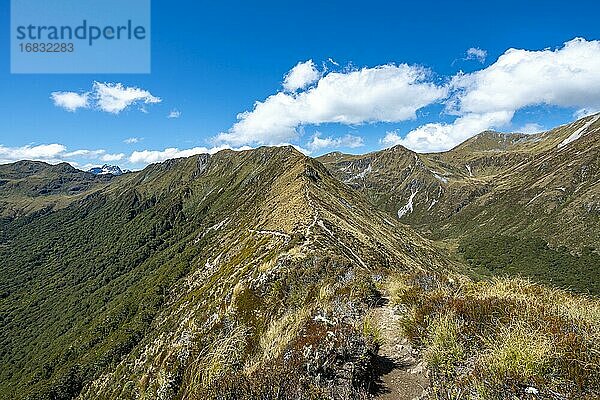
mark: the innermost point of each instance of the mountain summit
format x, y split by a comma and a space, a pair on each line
106, 169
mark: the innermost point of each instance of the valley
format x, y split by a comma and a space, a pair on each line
268, 274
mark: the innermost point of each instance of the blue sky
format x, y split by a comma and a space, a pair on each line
370, 75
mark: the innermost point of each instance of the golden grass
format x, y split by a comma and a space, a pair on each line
280, 333
219, 359
371, 330
443, 347
494, 338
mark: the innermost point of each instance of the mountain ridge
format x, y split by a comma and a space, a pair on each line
203, 231
474, 170
249, 273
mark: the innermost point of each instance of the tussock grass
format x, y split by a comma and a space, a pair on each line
219, 359
281, 332
371, 330
494, 339
299, 333
444, 349
518, 352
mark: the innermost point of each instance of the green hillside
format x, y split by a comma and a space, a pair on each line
540, 188
266, 274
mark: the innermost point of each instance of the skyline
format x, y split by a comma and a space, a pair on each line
356, 91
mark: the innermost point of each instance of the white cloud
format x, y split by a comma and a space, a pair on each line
301, 76
439, 136
114, 97
85, 153
391, 138
475, 53
586, 112
70, 101
388, 93
565, 77
488, 99
154, 156
44, 152
54, 153
530, 128
174, 114
112, 157
318, 143
133, 140
108, 97
94, 155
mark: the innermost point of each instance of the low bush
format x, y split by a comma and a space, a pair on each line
503, 338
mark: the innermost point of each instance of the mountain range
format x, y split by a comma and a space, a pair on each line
267, 274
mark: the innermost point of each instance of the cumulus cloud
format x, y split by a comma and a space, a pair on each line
114, 97
530, 128
85, 153
440, 136
586, 112
388, 93
108, 97
565, 77
93, 155
488, 99
43, 152
112, 157
54, 153
174, 114
301, 76
154, 156
70, 101
133, 140
475, 53
319, 143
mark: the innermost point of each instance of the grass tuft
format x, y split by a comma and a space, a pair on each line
495, 338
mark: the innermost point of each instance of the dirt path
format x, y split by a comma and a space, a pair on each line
402, 376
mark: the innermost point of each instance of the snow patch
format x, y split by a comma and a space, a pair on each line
532, 200
360, 175
469, 169
579, 132
322, 225
433, 203
439, 176
107, 169
408, 208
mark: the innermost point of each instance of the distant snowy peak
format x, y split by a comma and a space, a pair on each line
107, 170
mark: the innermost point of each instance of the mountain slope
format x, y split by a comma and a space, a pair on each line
165, 280
33, 186
487, 172
541, 187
